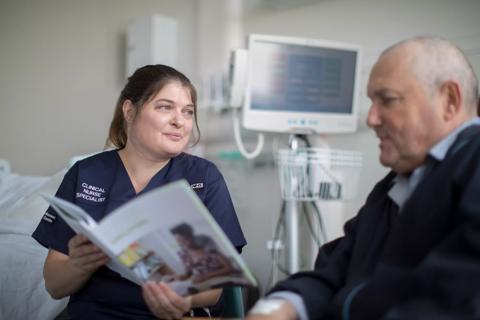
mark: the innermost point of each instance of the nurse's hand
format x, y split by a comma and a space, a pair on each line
163, 302
84, 255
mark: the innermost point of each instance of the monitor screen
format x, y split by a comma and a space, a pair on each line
301, 85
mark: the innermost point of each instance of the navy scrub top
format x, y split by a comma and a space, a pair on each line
100, 184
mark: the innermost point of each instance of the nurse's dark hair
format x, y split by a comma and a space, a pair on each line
142, 86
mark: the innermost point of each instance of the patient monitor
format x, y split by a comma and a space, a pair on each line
294, 85
298, 85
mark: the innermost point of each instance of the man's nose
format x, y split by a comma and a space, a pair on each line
373, 118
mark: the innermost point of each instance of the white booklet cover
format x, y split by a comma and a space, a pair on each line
166, 234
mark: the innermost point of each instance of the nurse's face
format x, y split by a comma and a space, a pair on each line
163, 125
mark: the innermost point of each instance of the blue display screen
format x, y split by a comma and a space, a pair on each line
288, 77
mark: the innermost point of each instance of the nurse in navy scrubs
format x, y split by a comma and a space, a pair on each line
151, 128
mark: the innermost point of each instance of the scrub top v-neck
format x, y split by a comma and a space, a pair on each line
100, 184
122, 189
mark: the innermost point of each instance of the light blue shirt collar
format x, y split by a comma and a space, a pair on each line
404, 185
439, 150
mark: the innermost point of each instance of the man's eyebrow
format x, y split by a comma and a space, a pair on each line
382, 92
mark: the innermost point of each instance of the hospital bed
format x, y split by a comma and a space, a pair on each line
22, 288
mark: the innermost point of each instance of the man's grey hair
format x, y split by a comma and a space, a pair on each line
438, 60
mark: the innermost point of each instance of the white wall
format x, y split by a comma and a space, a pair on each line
219, 28
62, 67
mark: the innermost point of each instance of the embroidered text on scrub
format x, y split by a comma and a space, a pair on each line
91, 193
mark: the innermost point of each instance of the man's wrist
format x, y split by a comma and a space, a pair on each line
267, 306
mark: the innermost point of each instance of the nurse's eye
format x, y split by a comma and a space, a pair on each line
189, 112
164, 107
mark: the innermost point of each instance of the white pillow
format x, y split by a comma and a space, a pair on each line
24, 208
22, 290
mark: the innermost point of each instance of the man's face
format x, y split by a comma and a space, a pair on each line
404, 114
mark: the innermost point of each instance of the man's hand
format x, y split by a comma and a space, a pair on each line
285, 312
163, 302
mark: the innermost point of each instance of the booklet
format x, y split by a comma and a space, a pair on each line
166, 234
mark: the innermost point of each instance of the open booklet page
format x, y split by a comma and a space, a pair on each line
166, 235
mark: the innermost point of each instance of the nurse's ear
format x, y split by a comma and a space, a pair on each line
129, 111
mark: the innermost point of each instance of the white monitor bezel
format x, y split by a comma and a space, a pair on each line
298, 121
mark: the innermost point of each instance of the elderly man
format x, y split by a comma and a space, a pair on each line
413, 250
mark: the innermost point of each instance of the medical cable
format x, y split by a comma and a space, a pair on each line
321, 224
239, 142
313, 233
275, 251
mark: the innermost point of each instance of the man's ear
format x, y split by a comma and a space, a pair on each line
452, 99
128, 110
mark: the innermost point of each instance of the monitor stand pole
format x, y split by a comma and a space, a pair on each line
292, 217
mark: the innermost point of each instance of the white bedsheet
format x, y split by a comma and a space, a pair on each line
22, 288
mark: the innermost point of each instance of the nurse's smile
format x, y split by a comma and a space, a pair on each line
173, 136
